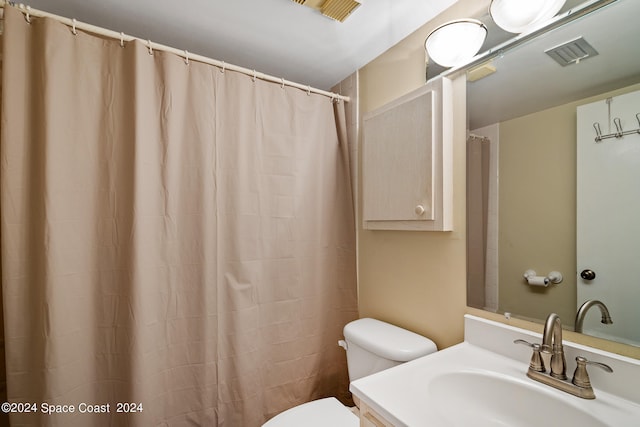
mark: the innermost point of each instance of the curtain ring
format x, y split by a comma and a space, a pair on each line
186, 57
254, 76
73, 27
282, 82
223, 67
150, 48
121, 39
27, 15
308, 90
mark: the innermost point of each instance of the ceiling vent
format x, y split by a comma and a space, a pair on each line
334, 9
339, 9
572, 52
313, 4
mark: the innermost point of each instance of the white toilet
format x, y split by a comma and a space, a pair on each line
372, 346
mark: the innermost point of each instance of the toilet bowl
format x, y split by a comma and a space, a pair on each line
372, 346
327, 412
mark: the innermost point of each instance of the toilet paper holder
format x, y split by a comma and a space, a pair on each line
534, 280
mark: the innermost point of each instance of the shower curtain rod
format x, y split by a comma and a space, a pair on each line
188, 56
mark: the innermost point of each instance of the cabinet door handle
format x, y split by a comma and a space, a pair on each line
419, 210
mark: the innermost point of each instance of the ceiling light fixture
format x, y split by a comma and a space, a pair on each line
455, 43
522, 16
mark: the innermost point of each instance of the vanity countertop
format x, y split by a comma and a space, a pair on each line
412, 394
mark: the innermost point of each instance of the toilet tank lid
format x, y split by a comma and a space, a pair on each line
387, 340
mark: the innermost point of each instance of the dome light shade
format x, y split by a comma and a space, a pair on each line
455, 42
521, 16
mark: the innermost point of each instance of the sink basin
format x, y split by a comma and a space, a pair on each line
486, 399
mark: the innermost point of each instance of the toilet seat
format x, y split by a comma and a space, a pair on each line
318, 413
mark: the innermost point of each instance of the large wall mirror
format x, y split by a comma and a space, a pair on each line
553, 172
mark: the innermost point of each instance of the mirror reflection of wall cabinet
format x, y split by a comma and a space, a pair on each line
407, 161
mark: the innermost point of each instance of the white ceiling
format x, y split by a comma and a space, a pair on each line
277, 37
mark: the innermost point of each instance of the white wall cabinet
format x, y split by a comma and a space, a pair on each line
407, 161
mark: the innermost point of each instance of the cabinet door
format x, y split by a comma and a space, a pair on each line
608, 208
406, 162
398, 160
370, 418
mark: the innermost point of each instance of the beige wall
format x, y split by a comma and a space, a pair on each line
416, 279
537, 204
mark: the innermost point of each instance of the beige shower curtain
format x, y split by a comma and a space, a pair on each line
177, 241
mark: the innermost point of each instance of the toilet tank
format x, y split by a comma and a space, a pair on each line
373, 345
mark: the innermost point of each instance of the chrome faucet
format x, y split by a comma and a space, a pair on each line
582, 311
552, 343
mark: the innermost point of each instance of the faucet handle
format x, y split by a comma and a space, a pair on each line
536, 363
581, 376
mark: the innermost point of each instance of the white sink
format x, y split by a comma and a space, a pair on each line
484, 399
467, 385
